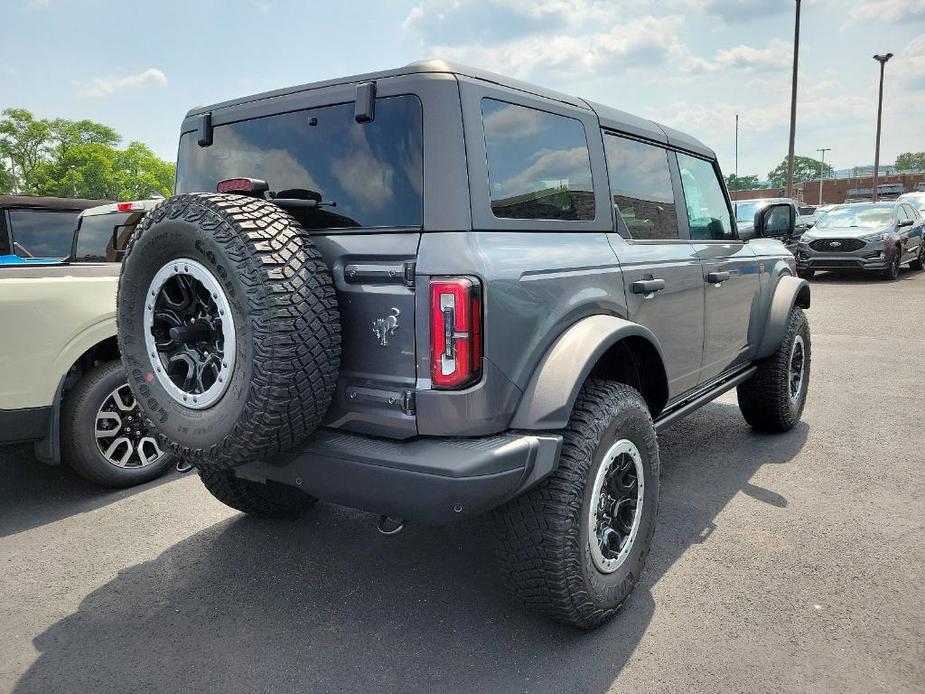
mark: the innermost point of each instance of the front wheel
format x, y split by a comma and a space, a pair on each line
574, 546
892, 272
104, 436
773, 399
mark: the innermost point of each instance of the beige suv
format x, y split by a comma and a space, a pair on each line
61, 382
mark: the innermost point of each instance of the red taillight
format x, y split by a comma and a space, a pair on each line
129, 206
455, 331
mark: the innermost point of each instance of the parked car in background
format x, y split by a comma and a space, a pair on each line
879, 236
62, 383
38, 229
917, 200
807, 218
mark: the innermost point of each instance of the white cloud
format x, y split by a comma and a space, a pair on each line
740, 10
889, 11
910, 64
778, 54
641, 41
37, 4
100, 87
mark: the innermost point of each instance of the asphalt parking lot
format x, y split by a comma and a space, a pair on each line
789, 563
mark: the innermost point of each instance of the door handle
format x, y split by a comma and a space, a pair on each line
717, 277
648, 286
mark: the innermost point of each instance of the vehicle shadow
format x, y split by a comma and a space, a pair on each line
324, 604
33, 494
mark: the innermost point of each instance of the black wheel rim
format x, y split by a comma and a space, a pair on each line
616, 507
797, 367
189, 333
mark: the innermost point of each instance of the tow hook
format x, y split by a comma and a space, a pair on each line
390, 526
183, 467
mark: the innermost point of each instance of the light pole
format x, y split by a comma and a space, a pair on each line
882, 60
737, 152
822, 169
793, 101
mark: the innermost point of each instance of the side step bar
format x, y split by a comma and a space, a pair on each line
684, 408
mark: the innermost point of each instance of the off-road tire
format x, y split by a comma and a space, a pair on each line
543, 552
919, 263
764, 399
270, 500
79, 448
806, 274
288, 336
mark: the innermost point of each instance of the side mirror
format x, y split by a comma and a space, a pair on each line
904, 223
775, 221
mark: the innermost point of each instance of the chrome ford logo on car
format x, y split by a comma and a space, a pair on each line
835, 244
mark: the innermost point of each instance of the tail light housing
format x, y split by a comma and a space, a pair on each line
455, 332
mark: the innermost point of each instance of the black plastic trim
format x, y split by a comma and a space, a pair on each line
26, 424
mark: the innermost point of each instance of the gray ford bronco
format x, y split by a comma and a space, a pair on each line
435, 292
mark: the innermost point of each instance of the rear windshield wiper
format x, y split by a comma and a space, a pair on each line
300, 197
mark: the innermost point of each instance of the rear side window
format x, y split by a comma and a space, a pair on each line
42, 233
4, 236
640, 182
538, 164
102, 237
707, 211
373, 172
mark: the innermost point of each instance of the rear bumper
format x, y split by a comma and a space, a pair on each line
428, 480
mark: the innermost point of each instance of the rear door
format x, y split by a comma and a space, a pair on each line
662, 278
729, 267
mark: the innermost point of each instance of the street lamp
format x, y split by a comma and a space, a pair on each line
882, 60
822, 169
793, 101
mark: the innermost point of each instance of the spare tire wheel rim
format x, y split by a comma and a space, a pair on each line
121, 436
616, 506
189, 333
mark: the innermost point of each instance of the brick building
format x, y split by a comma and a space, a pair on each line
839, 190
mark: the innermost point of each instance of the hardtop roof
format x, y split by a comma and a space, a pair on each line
609, 117
41, 202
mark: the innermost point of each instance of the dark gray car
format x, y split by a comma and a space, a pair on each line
864, 236
435, 292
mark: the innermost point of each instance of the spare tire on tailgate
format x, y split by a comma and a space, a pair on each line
228, 327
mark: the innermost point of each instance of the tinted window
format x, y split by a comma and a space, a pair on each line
640, 182
42, 233
538, 163
98, 238
373, 171
707, 211
901, 213
4, 237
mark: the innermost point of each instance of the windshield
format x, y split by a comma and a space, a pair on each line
864, 216
373, 172
745, 211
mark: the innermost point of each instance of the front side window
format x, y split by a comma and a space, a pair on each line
640, 182
98, 238
901, 213
538, 163
373, 172
42, 233
707, 211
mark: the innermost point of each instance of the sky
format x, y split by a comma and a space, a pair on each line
691, 64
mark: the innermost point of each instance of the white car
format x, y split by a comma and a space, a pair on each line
917, 200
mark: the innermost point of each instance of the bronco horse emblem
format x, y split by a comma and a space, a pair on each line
383, 327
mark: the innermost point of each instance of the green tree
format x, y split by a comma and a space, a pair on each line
68, 158
911, 161
734, 182
22, 142
804, 169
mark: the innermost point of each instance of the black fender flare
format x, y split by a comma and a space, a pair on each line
789, 291
554, 386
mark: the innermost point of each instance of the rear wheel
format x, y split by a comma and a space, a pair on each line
773, 399
574, 546
103, 432
270, 500
228, 328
